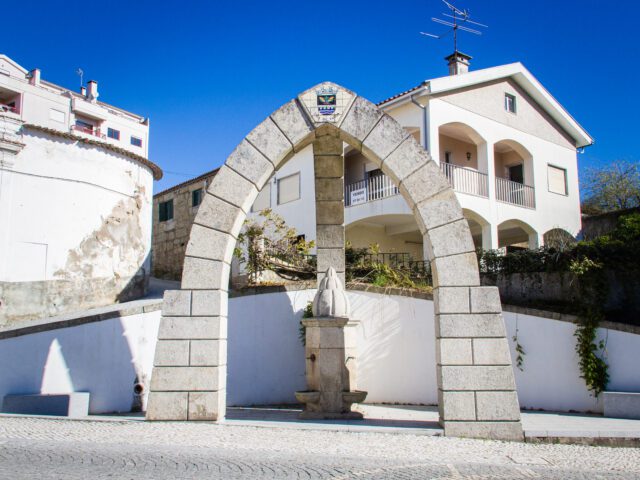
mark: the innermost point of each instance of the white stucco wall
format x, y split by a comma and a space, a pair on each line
60, 192
552, 210
103, 358
396, 355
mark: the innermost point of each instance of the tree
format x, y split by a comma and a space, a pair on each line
612, 187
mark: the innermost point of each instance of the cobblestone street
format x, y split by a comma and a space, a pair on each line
39, 448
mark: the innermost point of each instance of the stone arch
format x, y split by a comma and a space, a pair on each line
475, 379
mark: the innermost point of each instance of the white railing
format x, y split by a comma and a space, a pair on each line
466, 180
368, 190
515, 193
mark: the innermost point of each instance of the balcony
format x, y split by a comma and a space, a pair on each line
515, 193
461, 179
466, 180
95, 132
373, 188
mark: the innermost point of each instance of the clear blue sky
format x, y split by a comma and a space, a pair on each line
207, 72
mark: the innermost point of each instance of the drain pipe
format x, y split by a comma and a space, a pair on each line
425, 122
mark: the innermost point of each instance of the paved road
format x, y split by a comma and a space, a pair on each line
32, 448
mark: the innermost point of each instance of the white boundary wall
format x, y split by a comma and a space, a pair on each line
266, 359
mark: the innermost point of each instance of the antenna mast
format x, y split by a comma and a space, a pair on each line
80, 73
460, 18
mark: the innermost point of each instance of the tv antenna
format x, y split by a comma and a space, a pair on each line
458, 19
80, 73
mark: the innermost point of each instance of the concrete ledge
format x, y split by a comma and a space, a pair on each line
621, 405
73, 405
402, 292
150, 305
80, 318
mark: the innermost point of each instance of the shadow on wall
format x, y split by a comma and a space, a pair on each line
259, 326
106, 359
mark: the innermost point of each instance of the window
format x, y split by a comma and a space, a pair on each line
510, 103
136, 142
166, 210
263, 200
113, 133
196, 197
516, 173
447, 157
289, 188
56, 115
557, 179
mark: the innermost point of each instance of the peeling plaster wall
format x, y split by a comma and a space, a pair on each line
80, 231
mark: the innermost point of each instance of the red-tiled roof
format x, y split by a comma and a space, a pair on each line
208, 174
401, 94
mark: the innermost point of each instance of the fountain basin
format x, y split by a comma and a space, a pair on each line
355, 396
308, 396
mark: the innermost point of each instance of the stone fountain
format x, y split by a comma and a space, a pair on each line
330, 362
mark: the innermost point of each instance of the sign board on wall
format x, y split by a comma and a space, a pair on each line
358, 196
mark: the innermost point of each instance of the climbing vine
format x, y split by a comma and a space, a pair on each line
602, 266
520, 353
591, 352
307, 312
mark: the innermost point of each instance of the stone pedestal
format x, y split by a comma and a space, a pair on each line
329, 394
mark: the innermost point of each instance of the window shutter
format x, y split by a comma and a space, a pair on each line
289, 189
557, 180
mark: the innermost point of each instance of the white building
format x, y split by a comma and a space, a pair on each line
508, 148
75, 198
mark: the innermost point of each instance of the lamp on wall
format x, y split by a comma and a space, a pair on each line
468, 156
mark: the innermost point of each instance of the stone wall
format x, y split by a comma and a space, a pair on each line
561, 291
170, 237
597, 225
25, 301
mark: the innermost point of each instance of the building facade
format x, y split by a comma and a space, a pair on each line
76, 192
174, 210
507, 147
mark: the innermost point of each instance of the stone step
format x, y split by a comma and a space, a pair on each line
73, 405
621, 405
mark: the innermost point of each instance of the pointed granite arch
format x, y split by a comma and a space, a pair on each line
476, 385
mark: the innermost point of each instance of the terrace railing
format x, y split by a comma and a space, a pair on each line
515, 193
373, 188
466, 180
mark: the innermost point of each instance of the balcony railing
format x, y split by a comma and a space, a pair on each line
466, 180
368, 190
515, 193
91, 131
359, 265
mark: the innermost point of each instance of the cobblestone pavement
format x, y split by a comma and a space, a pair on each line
53, 448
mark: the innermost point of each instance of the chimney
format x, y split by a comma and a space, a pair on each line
458, 63
34, 77
92, 91
83, 91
